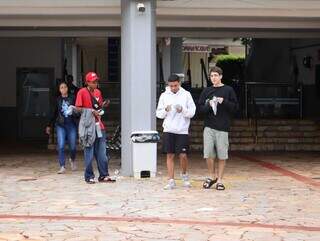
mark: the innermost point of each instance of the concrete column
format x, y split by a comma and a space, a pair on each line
138, 74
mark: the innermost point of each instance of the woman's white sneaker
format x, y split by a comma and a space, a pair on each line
73, 165
62, 170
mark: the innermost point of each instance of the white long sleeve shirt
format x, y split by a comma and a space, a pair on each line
174, 122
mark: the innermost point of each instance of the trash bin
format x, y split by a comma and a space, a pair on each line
144, 153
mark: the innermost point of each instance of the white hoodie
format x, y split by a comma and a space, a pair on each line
174, 122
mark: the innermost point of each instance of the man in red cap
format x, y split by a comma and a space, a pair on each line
90, 97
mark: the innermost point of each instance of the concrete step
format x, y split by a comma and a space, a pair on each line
272, 135
303, 140
275, 147
251, 140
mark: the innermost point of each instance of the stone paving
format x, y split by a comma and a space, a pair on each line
258, 204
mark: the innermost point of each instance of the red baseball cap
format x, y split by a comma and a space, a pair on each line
91, 76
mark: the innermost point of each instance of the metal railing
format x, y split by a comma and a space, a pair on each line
111, 91
204, 74
277, 97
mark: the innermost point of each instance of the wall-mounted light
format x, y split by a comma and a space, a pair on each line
307, 61
141, 8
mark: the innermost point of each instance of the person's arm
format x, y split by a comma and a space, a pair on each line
231, 103
161, 112
106, 103
203, 103
75, 112
190, 111
79, 103
100, 99
100, 112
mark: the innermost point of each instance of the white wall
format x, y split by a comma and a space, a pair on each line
26, 52
237, 50
195, 67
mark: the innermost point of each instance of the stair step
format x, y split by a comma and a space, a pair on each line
272, 135
251, 140
275, 147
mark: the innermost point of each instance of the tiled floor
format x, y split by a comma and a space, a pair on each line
268, 197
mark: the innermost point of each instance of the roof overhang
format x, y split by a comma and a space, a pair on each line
183, 18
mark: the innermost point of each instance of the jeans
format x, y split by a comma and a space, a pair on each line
66, 131
99, 151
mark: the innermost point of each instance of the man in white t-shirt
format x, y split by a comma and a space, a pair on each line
176, 107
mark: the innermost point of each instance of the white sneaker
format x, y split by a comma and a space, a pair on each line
185, 180
73, 165
62, 170
171, 185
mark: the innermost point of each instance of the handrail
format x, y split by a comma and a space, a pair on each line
109, 83
203, 72
269, 83
297, 100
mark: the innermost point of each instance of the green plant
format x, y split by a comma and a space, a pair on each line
232, 66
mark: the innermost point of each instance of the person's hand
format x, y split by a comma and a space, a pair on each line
220, 100
178, 108
95, 113
48, 130
70, 110
168, 108
78, 109
106, 103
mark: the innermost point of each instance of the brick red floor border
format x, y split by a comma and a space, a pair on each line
155, 220
281, 170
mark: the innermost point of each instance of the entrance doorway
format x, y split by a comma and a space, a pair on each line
34, 95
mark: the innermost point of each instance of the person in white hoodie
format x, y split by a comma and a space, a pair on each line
176, 107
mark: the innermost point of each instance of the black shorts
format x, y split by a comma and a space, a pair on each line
175, 143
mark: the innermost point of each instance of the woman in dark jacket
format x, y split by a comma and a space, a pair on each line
66, 127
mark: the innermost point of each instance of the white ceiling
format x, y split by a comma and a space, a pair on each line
178, 14
284, 4
60, 3
207, 4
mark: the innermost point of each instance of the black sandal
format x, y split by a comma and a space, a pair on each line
209, 182
220, 187
106, 179
90, 181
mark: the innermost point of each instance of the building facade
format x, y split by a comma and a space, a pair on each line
42, 40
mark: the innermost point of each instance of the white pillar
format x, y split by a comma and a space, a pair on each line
138, 74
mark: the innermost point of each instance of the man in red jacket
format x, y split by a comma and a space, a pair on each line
91, 97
